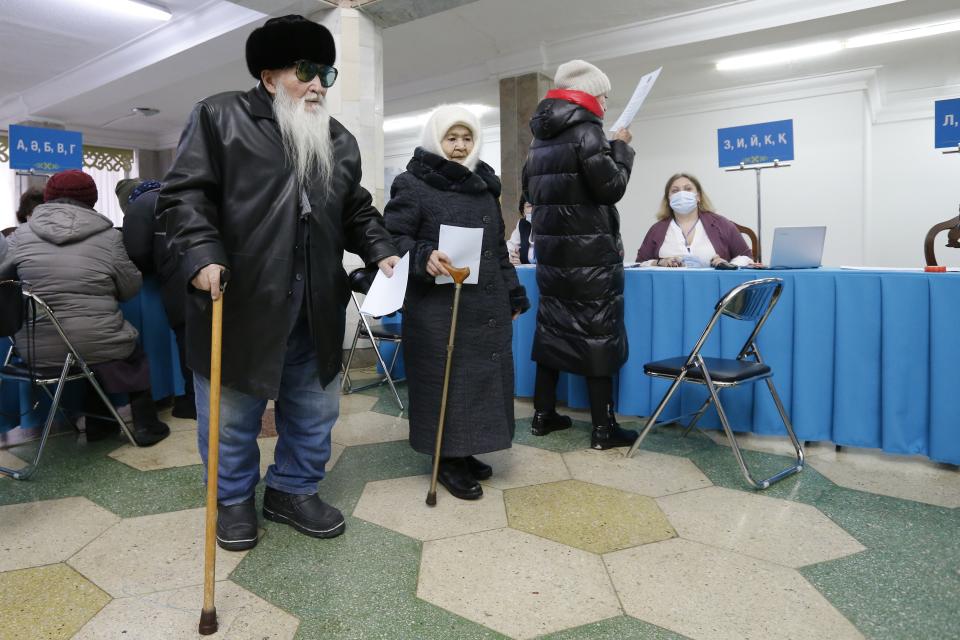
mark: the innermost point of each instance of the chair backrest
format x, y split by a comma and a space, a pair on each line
13, 307
752, 237
751, 301
362, 279
953, 238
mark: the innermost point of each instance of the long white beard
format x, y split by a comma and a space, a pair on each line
306, 138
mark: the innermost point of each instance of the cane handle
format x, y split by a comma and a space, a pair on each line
459, 274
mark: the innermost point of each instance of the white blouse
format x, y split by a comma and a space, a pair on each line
700, 251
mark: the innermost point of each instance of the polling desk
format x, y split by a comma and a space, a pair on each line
860, 358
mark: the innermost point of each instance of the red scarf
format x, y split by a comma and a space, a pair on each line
585, 100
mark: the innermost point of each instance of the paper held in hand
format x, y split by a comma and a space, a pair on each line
386, 294
462, 245
636, 100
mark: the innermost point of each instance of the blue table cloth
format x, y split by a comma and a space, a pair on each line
860, 358
145, 312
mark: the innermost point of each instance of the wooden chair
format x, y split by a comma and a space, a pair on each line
754, 241
952, 226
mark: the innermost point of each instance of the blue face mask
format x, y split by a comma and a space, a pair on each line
683, 202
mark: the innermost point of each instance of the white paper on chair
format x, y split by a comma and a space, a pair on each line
386, 294
462, 245
636, 100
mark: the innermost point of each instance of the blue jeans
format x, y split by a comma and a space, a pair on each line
305, 413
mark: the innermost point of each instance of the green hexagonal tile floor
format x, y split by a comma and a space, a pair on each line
568, 543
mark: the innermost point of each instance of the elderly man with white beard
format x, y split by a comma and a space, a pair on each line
265, 191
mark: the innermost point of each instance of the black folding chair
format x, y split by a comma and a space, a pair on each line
751, 302
376, 332
17, 368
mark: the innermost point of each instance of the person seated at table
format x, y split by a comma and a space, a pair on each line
447, 183
688, 233
144, 236
74, 260
520, 244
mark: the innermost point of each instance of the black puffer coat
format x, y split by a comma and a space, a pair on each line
435, 191
574, 177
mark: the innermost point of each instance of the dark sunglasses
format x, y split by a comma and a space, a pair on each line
307, 71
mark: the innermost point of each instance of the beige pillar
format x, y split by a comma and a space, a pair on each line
519, 97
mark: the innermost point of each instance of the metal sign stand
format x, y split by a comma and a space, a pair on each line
757, 168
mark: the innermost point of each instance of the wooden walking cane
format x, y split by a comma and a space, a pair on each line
208, 617
458, 275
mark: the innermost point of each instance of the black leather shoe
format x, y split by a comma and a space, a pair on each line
237, 526
478, 469
455, 475
612, 435
545, 422
308, 514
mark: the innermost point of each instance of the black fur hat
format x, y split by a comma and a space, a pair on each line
282, 41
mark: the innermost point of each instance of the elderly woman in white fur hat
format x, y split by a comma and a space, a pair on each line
447, 183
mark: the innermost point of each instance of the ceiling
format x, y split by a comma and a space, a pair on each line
72, 62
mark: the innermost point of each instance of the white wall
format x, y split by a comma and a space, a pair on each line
823, 187
914, 187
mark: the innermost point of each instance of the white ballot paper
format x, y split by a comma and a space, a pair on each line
386, 294
462, 245
636, 100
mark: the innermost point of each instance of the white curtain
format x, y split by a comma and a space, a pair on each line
9, 199
107, 180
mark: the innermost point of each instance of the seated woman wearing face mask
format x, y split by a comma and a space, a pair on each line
688, 233
520, 244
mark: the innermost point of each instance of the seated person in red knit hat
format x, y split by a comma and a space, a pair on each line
74, 259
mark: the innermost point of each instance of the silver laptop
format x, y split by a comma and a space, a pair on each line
797, 247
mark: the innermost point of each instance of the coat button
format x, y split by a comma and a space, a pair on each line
491, 322
290, 293
299, 277
488, 254
495, 357
486, 219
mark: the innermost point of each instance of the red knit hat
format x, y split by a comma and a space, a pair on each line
73, 184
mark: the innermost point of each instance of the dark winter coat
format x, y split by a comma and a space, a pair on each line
232, 199
574, 177
74, 260
145, 240
479, 416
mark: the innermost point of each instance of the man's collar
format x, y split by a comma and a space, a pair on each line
261, 102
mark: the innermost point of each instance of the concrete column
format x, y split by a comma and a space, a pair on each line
519, 97
356, 100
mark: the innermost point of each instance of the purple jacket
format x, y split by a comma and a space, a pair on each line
723, 234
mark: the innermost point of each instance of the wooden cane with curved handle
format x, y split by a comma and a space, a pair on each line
208, 616
459, 274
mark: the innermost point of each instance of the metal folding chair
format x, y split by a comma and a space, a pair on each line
376, 332
16, 368
751, 302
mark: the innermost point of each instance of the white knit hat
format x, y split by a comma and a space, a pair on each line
580, 75
445, 117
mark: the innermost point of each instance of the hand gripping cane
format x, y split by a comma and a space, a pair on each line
208, 616
458, 275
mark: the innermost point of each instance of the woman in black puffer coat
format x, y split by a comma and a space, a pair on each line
574, 178
445, 183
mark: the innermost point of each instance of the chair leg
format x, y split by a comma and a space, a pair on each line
30, 469
387, 371
738, 454
696, 417
656, 414
346, 386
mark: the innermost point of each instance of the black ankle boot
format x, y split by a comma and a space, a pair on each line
148, 430
237, 525
478, 469
611, 435
455, 475
545, 422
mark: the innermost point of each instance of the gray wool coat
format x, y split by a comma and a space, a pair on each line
73, 258
479, 417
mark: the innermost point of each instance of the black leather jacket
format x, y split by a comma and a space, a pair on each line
231, 199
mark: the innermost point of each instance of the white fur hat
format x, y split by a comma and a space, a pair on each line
442, 120
580, 75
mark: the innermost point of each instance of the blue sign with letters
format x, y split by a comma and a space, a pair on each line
46, 150
755, 143
947, 122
